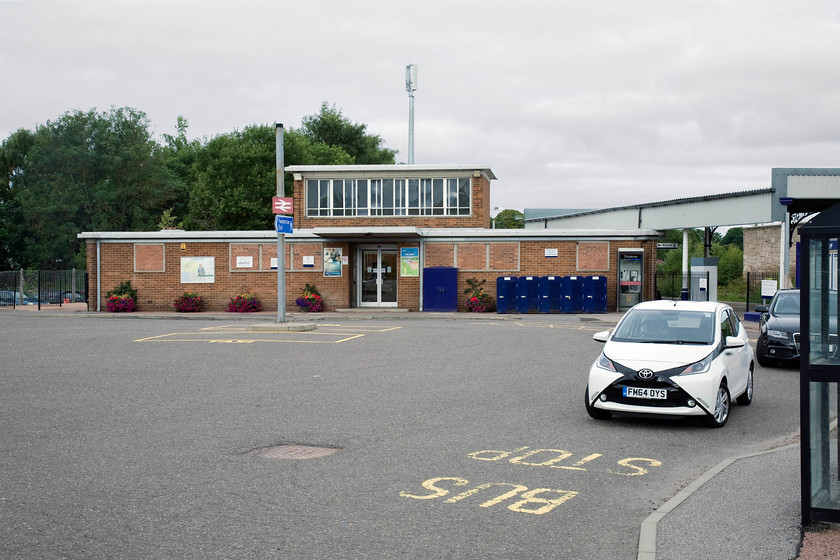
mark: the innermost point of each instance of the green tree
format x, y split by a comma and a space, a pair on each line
730, 263
509, 219
734, 236
13, 156
89, 171
233, 180
332, 128
233, 177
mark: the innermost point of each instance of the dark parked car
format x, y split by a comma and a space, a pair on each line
779, 326
778, 340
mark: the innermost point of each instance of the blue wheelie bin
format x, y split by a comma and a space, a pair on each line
572, 294
595, 294
528, 294
551, 294
506, 294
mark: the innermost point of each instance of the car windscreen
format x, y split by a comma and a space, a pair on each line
666, 327
786, 303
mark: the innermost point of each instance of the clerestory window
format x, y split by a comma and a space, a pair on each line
388, 197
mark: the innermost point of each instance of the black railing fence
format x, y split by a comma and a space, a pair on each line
670, 285
43, 287
753, 281
744, 293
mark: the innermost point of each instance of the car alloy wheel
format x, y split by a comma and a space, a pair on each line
747, 396
721, 413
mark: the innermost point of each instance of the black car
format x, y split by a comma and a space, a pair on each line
779, 326
778, 340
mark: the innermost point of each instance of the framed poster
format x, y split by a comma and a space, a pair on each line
198, 270
332, 262
409, 261
244, 262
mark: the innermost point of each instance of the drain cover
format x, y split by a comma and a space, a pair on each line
293, 452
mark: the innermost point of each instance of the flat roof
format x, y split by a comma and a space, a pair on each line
399, 169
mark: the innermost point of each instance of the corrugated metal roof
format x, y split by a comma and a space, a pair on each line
700, 211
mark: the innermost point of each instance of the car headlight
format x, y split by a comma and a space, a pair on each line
698, 367
781, 335
605, 363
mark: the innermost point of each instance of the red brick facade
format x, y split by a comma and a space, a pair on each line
241, 261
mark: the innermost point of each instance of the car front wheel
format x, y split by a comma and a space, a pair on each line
747, 396
595, 413
761, 353
718, 418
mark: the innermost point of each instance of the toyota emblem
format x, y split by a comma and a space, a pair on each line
645, 374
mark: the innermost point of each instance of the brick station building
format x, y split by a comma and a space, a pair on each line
363, 235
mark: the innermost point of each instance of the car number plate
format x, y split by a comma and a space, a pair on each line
645, 393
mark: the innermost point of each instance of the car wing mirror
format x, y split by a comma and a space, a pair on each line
761, 308
734, 342
602, 336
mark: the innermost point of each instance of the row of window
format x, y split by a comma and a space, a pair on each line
388, 197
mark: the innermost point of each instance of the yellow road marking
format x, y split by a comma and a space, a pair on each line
289, 337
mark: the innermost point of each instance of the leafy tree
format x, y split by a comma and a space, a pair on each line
734, 236
730, 263
89, 171
179, 155
233, 176
233, 180
13, 154
509, 219
332, 128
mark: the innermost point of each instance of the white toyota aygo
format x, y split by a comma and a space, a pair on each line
676, 358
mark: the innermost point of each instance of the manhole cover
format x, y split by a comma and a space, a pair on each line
293, 452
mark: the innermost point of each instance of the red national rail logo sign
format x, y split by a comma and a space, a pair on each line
282, 205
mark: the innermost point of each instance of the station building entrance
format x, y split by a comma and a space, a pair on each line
377, 275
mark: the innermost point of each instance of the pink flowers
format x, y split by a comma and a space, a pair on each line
311, 302
244, 303
189, 302
120, 303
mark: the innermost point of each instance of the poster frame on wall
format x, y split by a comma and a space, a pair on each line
332, 262
198, 270
409, 262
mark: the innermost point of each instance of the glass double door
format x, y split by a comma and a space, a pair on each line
378, 284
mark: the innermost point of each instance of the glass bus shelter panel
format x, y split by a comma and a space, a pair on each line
823, 303
824, 443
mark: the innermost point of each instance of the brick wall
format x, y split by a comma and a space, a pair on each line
158, 289
480, 217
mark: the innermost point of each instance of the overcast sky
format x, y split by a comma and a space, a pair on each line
584, 104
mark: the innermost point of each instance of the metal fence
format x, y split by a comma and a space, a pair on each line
753, 281
43, 287
746, 292
670, 285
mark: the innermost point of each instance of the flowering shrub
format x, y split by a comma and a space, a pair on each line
120, 303
479, 300
123, 298
244, 303
481, 303
311, 302
189, 302
310, 299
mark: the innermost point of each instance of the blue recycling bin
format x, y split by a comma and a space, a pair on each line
506, 294
551, 294
528, 294
440, 288
595, 294
572, 294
